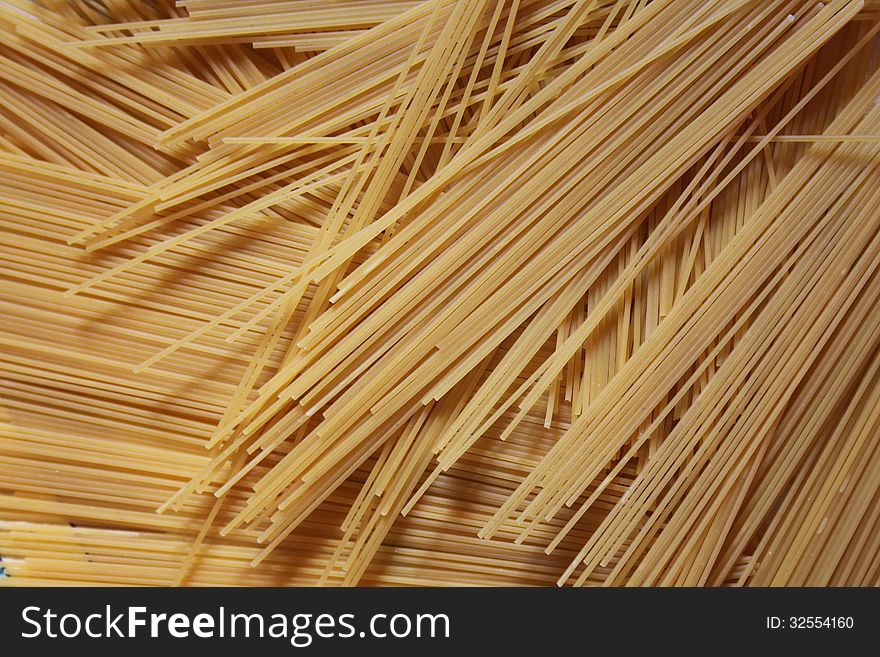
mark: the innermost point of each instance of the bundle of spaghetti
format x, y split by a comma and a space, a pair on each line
302, 24
93, 444
453, 291
351, 429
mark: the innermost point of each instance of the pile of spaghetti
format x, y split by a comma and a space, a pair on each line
434, 292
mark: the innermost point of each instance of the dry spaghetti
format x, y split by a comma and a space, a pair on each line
495, 292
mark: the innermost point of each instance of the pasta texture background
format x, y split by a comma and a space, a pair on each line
440, 292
